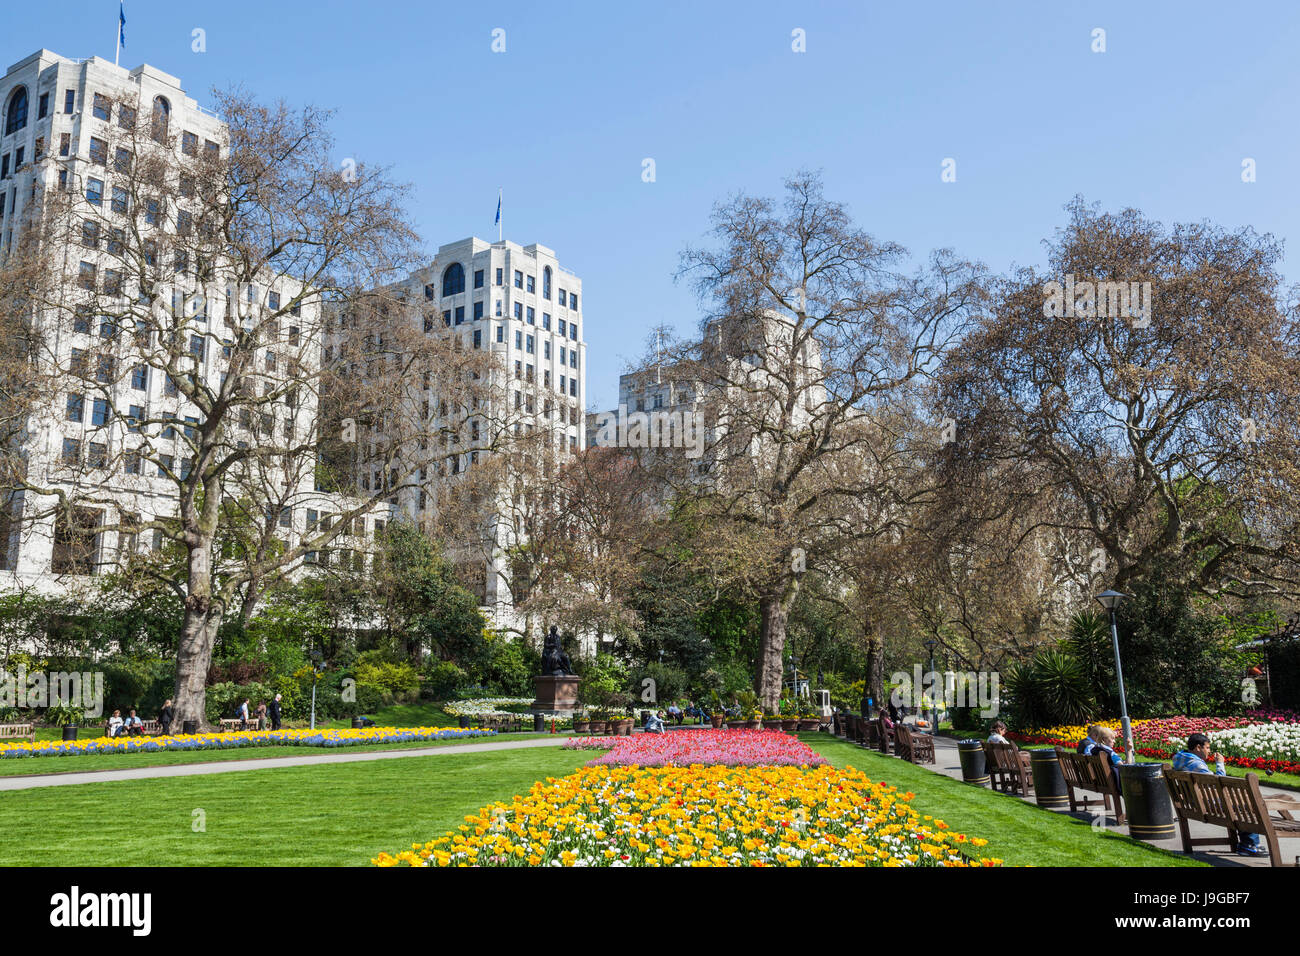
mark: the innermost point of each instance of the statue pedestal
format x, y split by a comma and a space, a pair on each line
557, 694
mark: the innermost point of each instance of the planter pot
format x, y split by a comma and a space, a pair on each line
737, 724
753, 725
790, 725
581, 726
808, 724
70, 732
625, 726
717, 720
597, 726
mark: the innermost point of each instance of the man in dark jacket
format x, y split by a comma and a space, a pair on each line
165, 717
274, 711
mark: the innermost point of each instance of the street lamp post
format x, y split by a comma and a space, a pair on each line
1110, 600
931, 644
315, 676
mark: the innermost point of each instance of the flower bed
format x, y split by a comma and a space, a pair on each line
700, 816
1266, 740
591, 743
727, 748
486, 706
244, 738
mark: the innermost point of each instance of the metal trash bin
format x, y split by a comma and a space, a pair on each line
1049, 782
1146, 801
190, 727
971, 755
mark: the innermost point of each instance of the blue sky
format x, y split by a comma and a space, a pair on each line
713, 92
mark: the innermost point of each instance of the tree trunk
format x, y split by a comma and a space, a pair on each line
875, 667
198, 636
775, 611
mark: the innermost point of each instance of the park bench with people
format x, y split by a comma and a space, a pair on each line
231, 724
1237, 805
149, 728
17, 732
1090, 772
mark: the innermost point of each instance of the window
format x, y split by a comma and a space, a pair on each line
460, 315
165, 463
169, 387
102, 108
189, 144
498, 308
71, 451
98, 151
529, 350
573, 301
76, 541
532, 283
532, 316
286, 517
106, 369
113, 277
573, 387
546, 321
16, 111
519, 279
86, 276
95, 191
120, 200
501, 333
546, 282
133, 419
69, 101
122, 160
519, 311
126, 117
519, 340
453, 279
573, 359
478, 338
561, 326
162, 117
81, 319
184, 222
446, 318
90, 234
199, 348
563, 297
187, 185
273, 301
478, 278
573, 331
499, 274
546, 349
4, 166
478, 311
131, 464
76, 408
43, 106
40, 148
99, 413
65, 144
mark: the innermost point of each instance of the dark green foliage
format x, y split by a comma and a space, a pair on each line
1048, 689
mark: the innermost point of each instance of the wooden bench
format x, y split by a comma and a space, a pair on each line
17, 732
885, 734
150, 728
231, 724
914, 748
504, 725
1091, 772
1008, 768
1234, 803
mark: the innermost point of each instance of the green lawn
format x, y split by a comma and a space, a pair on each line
1018, 832
19, 766
336, 815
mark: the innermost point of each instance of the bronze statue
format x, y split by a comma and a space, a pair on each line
555, 663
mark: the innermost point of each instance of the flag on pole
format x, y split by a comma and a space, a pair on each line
497, 221
121, 22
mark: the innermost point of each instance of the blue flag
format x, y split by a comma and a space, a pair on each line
121, 22
498, 219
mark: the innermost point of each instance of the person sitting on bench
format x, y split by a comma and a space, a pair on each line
999, 728
1089, 741
115, 724
1106, 744
134, 726
1194, 759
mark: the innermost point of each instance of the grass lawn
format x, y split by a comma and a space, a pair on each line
19, 766
336, 815
1018, 832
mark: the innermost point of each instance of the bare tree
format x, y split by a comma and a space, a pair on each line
813, 343
223, 380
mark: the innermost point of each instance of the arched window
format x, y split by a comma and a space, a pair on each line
453, 280
162, 115
546, 282
16, 112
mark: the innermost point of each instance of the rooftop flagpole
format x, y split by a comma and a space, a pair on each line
500, 227
121, 30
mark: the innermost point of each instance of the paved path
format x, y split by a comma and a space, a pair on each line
948, 764
267, 763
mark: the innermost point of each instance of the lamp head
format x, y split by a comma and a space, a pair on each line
1110, 599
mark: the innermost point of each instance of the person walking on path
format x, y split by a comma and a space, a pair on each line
274, 711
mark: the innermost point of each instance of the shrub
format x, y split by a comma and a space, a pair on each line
441, 678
